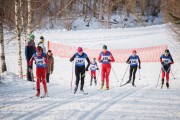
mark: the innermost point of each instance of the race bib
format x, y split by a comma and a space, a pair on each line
80, 60
105, 58
166, 61
135, 61
40, 62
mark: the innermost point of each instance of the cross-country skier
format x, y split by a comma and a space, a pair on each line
134, 62
80, 68
105, 58
50, 66
166, 61
30, 49
41, 43
93, 68
41, 62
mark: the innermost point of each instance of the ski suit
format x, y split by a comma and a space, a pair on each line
134, 61
80, 68
106, 59
166, 62
41, 63
93, 68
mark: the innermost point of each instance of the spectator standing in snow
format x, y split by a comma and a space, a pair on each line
41, 43
30, 49
50, 66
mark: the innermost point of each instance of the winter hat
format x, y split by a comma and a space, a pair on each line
49, 50
104, 47
166, 51
134, 51
30, 37
39, 48
79, 49
42, 38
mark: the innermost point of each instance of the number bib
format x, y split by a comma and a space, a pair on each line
80, 61
134, 61
105, 58
166, 60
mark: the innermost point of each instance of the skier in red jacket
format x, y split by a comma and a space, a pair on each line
41, 63
105, 58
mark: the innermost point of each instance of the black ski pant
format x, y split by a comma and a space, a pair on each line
47, 77
132, 72
80, 75
29, 76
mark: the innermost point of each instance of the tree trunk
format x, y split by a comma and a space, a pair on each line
29, 29
18, 36
2, 54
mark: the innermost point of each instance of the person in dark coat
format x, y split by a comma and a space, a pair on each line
30, 49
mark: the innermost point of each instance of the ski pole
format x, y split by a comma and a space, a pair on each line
99, 72
139, 74
31, 72
172, 75
45, 81
158, 78
124, 74
72, 75
115, 75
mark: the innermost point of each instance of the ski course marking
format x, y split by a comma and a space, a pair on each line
44, 109
18, 90
11, 103
96, 111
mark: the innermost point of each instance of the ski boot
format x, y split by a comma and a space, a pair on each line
107, 87
38, 93
162, 81
45, 93
75, 89
128, 81
82, 91
95, 81
133, 84
91, 81
102, 85
167, 85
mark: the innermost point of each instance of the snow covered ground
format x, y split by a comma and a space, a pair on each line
145, 102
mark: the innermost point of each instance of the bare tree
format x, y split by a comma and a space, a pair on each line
18, 35
2, 53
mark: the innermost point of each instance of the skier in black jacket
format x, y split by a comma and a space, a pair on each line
80, 68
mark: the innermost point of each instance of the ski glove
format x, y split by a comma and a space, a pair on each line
139, 66
127, 62
109, 60
86, 69
71, 59
97, 68
101, 61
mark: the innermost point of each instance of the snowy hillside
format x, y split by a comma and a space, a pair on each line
144, 102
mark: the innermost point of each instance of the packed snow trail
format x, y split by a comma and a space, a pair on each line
144, 101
